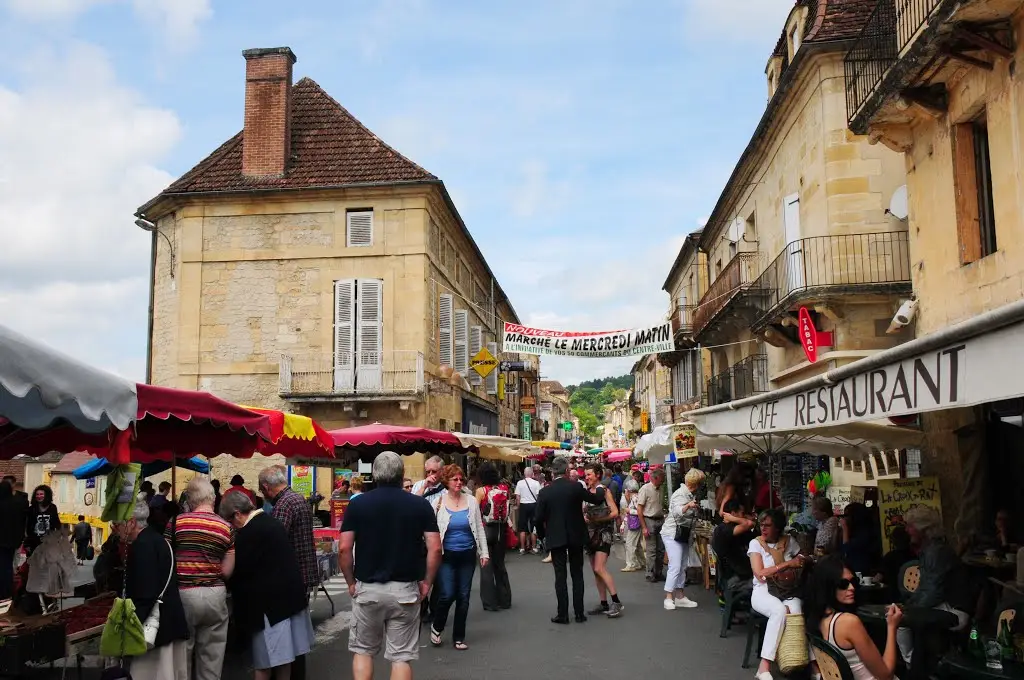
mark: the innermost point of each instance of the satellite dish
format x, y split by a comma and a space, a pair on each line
898, 204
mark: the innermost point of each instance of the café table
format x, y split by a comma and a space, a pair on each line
959, 665
920, 620
997, 566
876, 593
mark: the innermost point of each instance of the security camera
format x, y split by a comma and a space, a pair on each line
904, 316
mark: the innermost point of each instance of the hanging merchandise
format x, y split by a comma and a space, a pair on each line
121, 490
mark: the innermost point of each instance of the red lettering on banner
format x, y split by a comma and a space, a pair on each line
810, 338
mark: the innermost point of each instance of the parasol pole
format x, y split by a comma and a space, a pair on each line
174, 479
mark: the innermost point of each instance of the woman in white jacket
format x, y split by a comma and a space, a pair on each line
681, 509
463, 542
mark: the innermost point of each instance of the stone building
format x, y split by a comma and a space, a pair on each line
652, 390
307, 266
554, 411
935, 81
686, 283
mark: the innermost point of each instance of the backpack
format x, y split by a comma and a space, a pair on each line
495, 506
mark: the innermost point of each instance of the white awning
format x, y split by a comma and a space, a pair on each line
974, 362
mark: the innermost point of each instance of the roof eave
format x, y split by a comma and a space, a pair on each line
691, 238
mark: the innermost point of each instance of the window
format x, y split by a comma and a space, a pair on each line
684, 379
771, 82
445, 347
750, 228
435, 238
449, 256
358, 334
794, 40
359, 228
972, 177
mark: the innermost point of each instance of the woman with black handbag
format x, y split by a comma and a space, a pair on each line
675, 532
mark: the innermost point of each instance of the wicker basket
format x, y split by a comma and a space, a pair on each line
792, 652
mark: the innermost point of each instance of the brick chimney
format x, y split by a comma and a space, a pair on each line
268, 111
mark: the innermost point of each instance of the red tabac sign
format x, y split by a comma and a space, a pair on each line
810, 338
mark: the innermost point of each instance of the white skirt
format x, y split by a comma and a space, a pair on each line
278, 645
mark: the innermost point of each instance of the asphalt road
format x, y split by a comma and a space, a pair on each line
647, 642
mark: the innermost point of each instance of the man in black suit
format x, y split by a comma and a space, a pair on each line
560, 523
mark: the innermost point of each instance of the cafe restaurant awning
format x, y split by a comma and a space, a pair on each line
977, 361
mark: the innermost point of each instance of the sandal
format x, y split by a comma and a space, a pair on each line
435, 637
461, 646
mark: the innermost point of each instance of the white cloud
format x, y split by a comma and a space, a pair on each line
51, 9
536, 192
738, 21
76, 159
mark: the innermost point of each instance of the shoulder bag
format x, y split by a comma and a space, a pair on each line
151, 626
785, 584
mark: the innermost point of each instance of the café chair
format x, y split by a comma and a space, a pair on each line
756, 624
831, 663
736, 600
909, 578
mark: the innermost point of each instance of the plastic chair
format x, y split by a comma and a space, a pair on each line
756, 625
831, 663
735, 601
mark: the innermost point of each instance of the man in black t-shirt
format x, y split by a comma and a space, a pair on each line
392, 573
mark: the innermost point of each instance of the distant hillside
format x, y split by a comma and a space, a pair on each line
589, 398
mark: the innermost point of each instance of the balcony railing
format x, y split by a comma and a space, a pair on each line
750, 376
858, 262
891, 27
719, 389
741, 271
381, 375
682, 319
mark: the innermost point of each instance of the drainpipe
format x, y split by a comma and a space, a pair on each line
995, 319
152, 295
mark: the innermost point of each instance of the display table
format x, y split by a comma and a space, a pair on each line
83, 626
30, 639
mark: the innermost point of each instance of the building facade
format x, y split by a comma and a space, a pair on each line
554, 411
686, 284
307, 266
934, 80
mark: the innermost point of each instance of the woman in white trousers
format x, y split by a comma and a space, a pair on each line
681, 508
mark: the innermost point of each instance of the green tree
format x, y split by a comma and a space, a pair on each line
590, 425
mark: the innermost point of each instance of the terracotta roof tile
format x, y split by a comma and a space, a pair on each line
839, 19
553, 387
71, 462
330, 147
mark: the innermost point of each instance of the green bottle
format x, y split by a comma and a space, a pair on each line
1005, 639
975, 647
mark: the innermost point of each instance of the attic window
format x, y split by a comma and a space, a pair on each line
359, 228
794, 38
771, 83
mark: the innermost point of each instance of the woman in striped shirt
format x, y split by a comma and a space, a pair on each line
204, 549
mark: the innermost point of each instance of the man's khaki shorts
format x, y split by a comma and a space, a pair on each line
386, 614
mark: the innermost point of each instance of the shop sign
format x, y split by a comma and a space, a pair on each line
567, 426
512, 366
810, 338
528, 401
896, 497
483, 362
685, 441
301, 479
840, 497
636, 342
526, 421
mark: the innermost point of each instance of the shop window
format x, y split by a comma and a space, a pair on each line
972, 174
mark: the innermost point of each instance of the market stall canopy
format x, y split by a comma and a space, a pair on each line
595, 452
295, 436
552, 445
100, 467
369, 440
494, 447
618, 455
659, 445
40, 386
169, 423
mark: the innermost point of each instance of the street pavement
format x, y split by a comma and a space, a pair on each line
646, 641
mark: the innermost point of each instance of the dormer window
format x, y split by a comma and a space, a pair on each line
794, 40
771, 83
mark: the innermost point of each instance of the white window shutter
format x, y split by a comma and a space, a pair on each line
462, 342
344, 338
445, 306
736, 229
492, 377
476, 343
369, 334
359, 228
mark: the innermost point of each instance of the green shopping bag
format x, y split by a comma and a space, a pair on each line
122, 633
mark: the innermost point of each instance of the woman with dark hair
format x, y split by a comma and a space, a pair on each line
495, 589
830, 611
775, 561
861, 544
42, 517
735, 487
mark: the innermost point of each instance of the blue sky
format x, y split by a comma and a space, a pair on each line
580, 139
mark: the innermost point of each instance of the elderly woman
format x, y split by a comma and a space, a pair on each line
775, 561
268, 594
204, 548
682, 511
939, 570
463, 542
826, 540
631, 529
150, 576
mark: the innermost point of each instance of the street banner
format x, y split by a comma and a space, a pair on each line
896, 497
639, 341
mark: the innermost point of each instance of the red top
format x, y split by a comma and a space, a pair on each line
242, 489
761, 498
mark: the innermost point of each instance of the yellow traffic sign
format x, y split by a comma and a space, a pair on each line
483, 363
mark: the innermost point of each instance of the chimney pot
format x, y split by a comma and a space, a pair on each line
266, 141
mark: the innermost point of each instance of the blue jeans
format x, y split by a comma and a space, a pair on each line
456, 580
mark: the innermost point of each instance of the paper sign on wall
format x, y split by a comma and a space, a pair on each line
896, 497
840, 497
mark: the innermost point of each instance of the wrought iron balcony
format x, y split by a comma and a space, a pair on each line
892, 26
854, 263
737, 276
363, 376
682, 319
750, 376
719, 389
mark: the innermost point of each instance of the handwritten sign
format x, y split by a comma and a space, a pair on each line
840, 497
896, 497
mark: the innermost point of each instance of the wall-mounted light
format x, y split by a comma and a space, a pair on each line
145, 225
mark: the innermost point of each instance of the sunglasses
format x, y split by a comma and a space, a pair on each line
456, 479
845, 583
407, 486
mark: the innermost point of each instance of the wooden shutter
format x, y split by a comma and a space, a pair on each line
462, 342
344, 335
476, 343
359, 228
492, 378
445, 307
369, 334
795, 259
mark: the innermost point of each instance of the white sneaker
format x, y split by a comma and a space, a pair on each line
669, 605
684, 602
763, 676
522, 551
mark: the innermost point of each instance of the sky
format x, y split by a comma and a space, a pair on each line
581, 140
